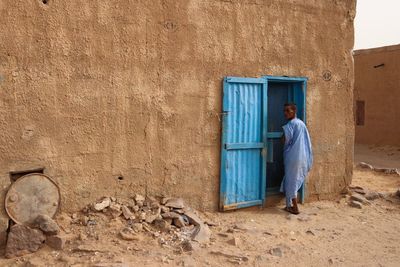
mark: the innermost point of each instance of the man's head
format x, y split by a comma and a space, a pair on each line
290, 111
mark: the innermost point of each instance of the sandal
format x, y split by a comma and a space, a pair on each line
291, 210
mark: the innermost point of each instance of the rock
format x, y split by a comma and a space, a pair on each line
276, 252
150, 218
127, 213
23, 240
359, 198
135, 208
310, 232
372, 195
82, 237
303, 217
201, 233
170, 215
85, 220
179, 222
162, 225
103, 204
56, 241
235, 241
47, 224
193, 218
137, 227
365, 165
187, 245
115, 210
240, 258
88, 249
128, 234
152, 202
176, 203
345, 191
164, 209
355, 204
223, 235
359, 191
384, 195
139, 198
211, 223
164, 200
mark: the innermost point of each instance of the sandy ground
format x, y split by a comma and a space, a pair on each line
381, 157
326, 233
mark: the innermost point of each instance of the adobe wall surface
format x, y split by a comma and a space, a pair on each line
94, 90
379, 87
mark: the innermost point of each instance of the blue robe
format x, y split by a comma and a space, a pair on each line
297, 158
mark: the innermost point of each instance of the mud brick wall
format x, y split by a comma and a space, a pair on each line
377, 86
116, 97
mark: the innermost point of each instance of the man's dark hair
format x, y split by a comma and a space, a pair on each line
291, 105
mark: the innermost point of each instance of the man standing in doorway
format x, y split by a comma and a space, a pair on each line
297, 156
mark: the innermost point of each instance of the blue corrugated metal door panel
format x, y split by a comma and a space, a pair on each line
243, 157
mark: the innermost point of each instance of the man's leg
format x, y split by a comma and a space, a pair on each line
291, 205
295, 207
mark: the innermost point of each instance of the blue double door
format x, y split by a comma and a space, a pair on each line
251, 150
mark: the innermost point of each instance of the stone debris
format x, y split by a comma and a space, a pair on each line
127, 213
365, 165
103, 204
276, 252
47, 225
170, 215
372, 195
376, 169
176, 203
235, 241
56, 242
234, 257
310, 232
355, 204
167, 219
179, 222
23, 240
359, 198
128, 233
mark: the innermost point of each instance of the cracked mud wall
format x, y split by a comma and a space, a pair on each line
119, 97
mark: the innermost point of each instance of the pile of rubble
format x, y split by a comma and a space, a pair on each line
24, 239
365, 165
167, 219
358, 196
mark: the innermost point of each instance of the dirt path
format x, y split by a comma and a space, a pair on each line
381, 157
325, 234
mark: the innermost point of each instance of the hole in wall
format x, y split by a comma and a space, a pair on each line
120, 177
15, 175
46, 2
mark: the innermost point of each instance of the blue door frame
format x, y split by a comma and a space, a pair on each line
245, 136
297, 95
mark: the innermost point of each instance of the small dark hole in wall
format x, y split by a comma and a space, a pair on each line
15, 175
120, 178
45, 2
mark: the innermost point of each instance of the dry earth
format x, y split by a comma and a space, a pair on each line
326, 233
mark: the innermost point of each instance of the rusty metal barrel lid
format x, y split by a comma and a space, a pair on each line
31, 195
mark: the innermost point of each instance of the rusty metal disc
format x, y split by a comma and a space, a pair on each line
31, 195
